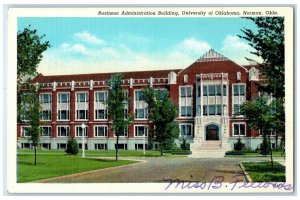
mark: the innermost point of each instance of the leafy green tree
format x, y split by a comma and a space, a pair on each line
72, 147
268, 43
263, 115
162, 113
29, 54
116, 107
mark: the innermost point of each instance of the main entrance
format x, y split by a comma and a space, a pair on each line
212, 132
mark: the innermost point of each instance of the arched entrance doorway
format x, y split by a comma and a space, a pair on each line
212, 132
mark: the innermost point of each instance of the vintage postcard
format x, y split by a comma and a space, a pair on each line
130, 99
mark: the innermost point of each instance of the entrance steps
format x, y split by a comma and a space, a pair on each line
207, 149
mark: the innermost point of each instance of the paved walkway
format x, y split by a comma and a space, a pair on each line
158, 169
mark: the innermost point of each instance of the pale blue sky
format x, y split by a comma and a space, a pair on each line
92, 45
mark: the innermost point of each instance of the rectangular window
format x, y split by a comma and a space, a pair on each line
139, 95
219, 109
100, 131
204, 90
26, 132
239, 90
81, 114
161, 93
186, 92
101, 114
63, 98
218, 90
204, 110
82, 97
236, 109
101, 96
45, 115
239, 129
100, 146
224, 90
121, 146
186, 111
211, 90
141, 131
141, 113
186, 129
186, 101
63, 131
45, 98
79, 131
212, 110
63, 114
45, 131
124, 133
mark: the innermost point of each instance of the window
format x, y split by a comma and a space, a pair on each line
63, 131
204, 90
238, 97
141, 131
204, 110
186, 129
81, 114
100, 146
63, 98
211, 90
186, 111
124, 133
26, 132
45, 98
161, 93
211, 109
45, 115
239, 90
186, 91
82, 97
219, 110
121, 146
239, 129
63, 114
101, 114
63, 107
46, 146
224, 90
141, 110
186, 101
139, 146
45, 131
79, 131
139, 95
100, 131
101, 96
62, 146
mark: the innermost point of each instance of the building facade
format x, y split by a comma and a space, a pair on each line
208, 95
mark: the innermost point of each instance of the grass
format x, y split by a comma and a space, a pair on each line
57, 163
100, 153
262, 171
253, 154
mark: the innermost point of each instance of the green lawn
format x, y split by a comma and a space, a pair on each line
100, 153
262, 171
253, 154
57, 163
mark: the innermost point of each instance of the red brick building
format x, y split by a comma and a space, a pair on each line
208, 93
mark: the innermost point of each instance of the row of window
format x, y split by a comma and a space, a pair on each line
186, 129
99, 131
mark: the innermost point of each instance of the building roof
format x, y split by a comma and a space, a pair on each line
103, 76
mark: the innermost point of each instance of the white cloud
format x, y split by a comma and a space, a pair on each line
235, 49
75, 48
193, 47
88, 38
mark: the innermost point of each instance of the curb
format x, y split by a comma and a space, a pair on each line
88, 172
246, 175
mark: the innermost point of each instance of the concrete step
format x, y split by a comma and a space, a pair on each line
207, 154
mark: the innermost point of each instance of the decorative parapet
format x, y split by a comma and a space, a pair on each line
212, 56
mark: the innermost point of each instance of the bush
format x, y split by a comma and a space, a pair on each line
72, 147
265, 147
182, 152
234, 153
150, 144
185, 145
238, 146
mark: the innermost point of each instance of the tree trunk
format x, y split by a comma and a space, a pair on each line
34, 154
117, 147
271, 153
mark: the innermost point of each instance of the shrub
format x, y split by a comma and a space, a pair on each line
72, 147
234, 153
265, 146
238, 146
185, 145
150, 144
182, 152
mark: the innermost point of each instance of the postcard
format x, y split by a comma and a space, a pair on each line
160, 99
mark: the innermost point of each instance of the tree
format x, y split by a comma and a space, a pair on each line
268, 43
116, 107
262, 114
29, 54
162, 113
72, 147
